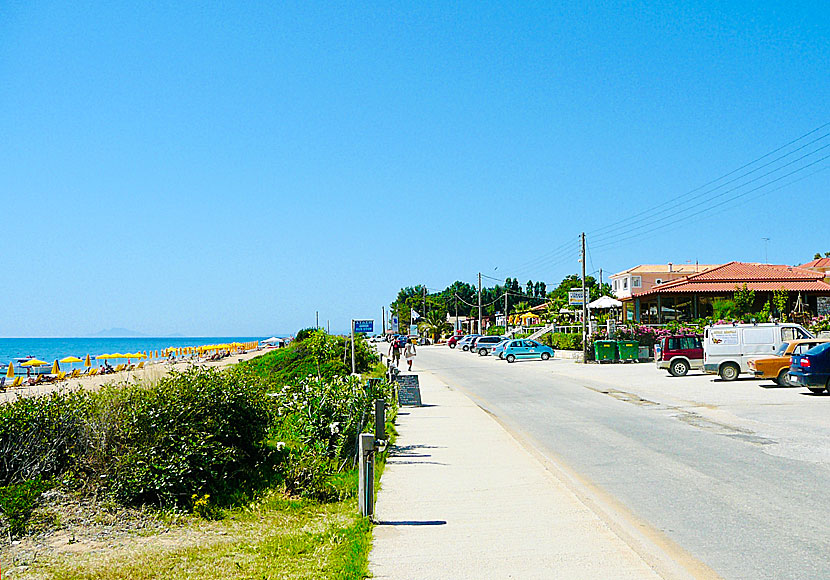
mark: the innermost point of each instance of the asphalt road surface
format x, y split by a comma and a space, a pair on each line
734, 473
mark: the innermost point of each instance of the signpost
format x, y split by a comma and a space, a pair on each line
360, 326
413, 329
394, 324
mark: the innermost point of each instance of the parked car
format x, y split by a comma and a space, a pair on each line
728, 347
679, 353
777, 366
498, 350
451, 341
524, 348
464, 343
485, 344
812, 369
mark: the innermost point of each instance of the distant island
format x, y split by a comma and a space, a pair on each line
118, 333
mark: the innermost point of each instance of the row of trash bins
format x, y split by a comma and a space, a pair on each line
616, 350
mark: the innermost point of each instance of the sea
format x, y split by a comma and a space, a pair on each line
51, 349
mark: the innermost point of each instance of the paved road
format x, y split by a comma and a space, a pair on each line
736, 474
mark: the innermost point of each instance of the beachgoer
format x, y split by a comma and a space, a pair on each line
409, 353
395, 352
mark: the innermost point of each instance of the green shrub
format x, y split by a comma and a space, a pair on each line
39, 436
18, 501
201, 431
563, 341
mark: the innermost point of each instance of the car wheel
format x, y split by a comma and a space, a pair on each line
511, 358
729, 372
482, 352
545, 355
783, 379
679, 368
452, 345
815, 390
464, 348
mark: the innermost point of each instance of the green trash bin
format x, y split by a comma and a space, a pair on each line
629, 350
605, 350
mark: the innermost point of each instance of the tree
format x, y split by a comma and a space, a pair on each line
780, 300
435, 325
744, 299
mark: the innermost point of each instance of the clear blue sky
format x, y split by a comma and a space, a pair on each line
229, 168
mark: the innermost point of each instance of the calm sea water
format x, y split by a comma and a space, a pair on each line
50, 349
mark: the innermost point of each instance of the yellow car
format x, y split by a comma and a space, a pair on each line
777, 366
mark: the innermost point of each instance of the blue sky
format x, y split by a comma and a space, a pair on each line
231, 168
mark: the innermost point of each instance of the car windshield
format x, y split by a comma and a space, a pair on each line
782, 349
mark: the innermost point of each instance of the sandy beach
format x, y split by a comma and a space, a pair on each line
151, 372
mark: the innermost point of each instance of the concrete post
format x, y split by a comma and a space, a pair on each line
366, 475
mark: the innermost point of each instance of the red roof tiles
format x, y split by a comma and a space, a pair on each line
762, 277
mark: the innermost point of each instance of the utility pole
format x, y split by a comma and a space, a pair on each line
584, 306
766, 256
425, 301
383, 318
600, 279
316, 319
456, 325
328, 326
479, 302
505, 309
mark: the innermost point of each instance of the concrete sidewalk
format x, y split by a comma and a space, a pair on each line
460, 498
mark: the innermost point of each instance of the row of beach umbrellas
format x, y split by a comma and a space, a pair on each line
177, 351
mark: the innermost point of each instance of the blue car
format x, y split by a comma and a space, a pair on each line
524, 348
812, 369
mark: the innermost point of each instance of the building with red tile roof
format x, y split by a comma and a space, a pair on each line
692, 296
819, 265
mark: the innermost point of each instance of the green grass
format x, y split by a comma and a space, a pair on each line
274, 537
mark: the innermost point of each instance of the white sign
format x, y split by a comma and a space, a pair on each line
575, 297
723, 336
413, 330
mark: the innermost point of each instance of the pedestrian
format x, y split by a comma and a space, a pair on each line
395, 352
409, 353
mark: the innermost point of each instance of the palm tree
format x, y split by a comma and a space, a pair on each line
435, 325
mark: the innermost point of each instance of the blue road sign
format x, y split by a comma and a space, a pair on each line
367, 326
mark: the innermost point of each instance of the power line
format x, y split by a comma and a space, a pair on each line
674, 200
685, 218
681, 210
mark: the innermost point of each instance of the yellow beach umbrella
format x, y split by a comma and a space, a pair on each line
87, 362
56, 368
71, 359
34, 363
10, 372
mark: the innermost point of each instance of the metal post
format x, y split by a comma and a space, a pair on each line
383, 319
380, 419
366, 475
352, 331
316, 319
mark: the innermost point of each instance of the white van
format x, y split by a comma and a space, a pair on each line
728, 347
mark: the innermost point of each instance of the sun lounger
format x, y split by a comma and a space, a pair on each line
119, 368
140, 365
16, 382
92, 372
74, 374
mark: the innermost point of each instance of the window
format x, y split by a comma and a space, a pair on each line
616, 284
636, 282
792, 333
625, 283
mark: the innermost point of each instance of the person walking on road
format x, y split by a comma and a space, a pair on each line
395, 352
409, 353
